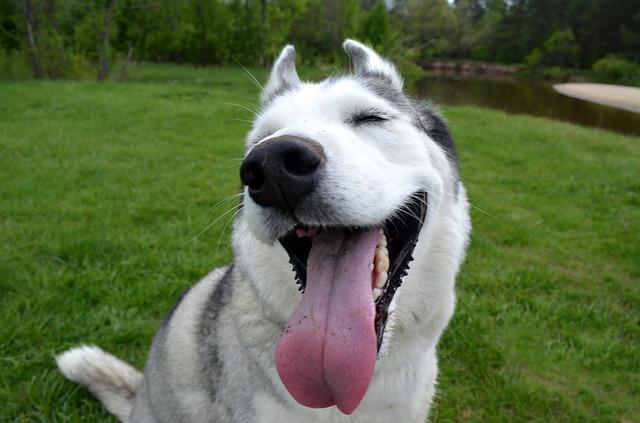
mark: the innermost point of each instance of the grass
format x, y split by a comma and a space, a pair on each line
104, 187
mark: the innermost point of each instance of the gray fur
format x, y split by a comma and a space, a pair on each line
284, 76
212, 359
425, 116
207, 331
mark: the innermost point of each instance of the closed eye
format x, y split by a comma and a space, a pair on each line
370, 117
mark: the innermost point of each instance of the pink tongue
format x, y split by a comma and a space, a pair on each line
327, 353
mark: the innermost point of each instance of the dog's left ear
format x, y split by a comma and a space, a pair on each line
366, 61
283, 75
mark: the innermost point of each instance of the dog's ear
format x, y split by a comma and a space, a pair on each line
283, 75
366, 61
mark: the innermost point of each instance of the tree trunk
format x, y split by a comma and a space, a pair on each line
28, 17
202, 23
263, 15
127, 59
50, 11
103, 71
263, 30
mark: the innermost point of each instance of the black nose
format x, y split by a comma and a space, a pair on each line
281, 171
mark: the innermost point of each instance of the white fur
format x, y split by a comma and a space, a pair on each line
109, 379
370, 171
283, 74
373, 62
374, 170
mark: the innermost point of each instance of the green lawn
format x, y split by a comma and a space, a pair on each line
104, 186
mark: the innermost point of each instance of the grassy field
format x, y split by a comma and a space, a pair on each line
105, 186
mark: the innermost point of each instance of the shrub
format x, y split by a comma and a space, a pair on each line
14, 64
615, 69
561, 49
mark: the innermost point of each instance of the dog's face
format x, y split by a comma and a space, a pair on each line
344, 174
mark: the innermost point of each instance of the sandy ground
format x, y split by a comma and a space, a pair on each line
619, 96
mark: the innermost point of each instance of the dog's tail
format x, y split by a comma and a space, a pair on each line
109, 379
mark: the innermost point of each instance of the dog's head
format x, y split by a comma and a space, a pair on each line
343, 175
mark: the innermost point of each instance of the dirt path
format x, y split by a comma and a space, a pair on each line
619, 96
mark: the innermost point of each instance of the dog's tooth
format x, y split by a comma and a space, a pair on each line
382, 253
382, 265
376, 293
382, 239
371, 267
381, 279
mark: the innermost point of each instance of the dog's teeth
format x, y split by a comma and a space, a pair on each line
382, 265
382, 259
371, 267
381, 279
376, 293
382, 239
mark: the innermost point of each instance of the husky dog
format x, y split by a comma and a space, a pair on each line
353, 227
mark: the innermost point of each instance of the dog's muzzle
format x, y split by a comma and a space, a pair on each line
281, 171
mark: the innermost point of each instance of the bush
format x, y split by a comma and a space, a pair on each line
617, 70
561, 49
375, 28
533, 60
14, 64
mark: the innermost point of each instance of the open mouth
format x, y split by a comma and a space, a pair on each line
349, 276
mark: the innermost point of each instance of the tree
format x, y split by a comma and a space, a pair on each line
375, 28
426, 26
31, 26
561, 49
103, 49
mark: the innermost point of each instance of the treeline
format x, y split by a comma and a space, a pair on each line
67, 38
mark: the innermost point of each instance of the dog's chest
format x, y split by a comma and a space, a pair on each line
399, 395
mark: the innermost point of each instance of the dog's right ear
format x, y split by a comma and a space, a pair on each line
283, 75
366, 61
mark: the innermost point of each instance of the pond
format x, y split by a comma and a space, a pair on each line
525, 97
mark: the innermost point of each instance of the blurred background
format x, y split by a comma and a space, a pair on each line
121, 136
515, 44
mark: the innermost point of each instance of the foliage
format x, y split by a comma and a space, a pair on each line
560, 49
563, 33
375, 28
14, 64
614, 69
104, 187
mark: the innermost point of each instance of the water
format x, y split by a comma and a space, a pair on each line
526, 97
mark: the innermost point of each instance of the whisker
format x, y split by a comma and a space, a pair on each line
484, 212
252, 78
410, 214
476, 207
253, 112
225, 227
224, 200
212, 223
